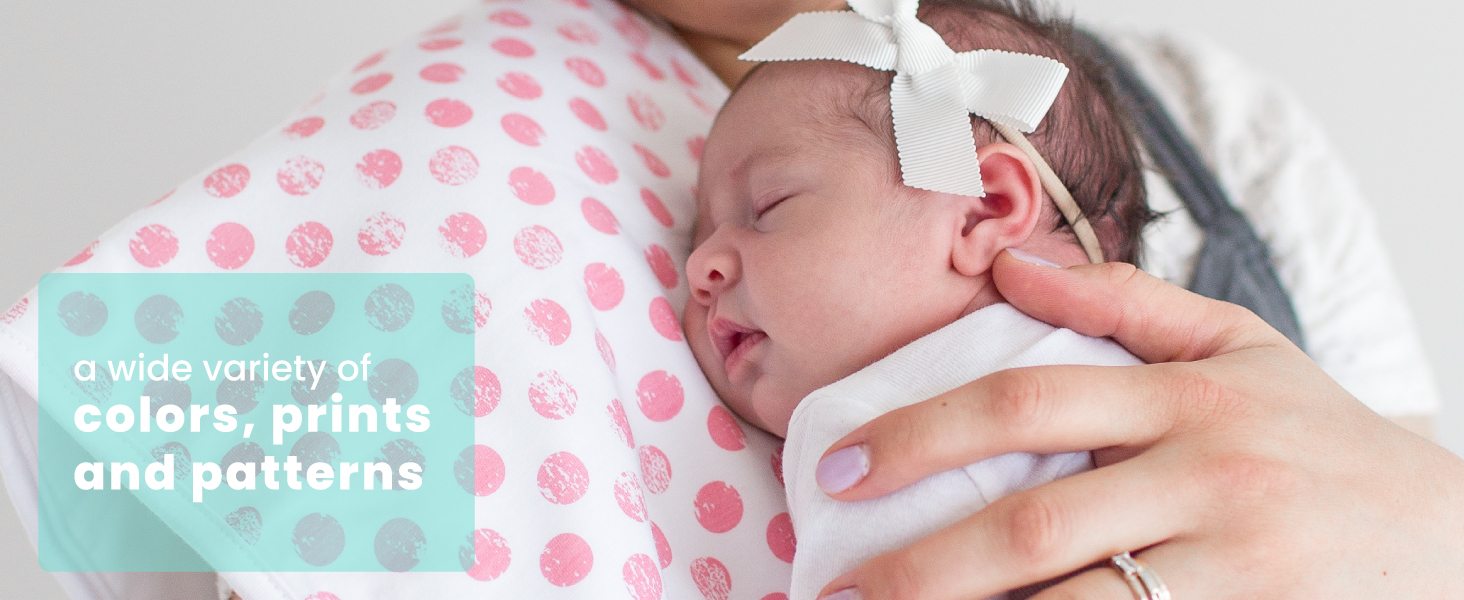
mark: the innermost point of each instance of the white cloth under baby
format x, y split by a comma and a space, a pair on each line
834, 536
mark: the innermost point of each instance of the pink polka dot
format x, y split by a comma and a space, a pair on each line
776, 462
701, 104
599, 216
646, 111
718, 507
657, 469
440, 44
608, 355
642, 578
226, 181
379, 168
509, 18
662, 265
659, 396
663, 318
646, 65
596, 164
453, 165
725, 430
369, 62
447, 26
604, 286
373, 115
566, 560
619, 422
308, 244
522, 129
488, 470
371, 83
538, 247
381, 234
481, 309
163, 197
628, 496
153, 246
682, 73
446, 112
531, 186
442, 73
16, 311
322, 596
548, 321
230, 245
658, 209
490, 555
520, 85
586, 70
711, 578
696, 146
304, 128
463, 235
780, 537
300, 175
580, 4
633, 30
563, 479
486, 392
579, 33
83, 256
514, 47
776, 596
654, 164
587, 113
663, 547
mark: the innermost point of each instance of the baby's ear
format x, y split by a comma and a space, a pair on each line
1005, 217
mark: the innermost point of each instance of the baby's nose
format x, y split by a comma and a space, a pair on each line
710, 271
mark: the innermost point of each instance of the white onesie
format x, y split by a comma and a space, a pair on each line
833, 536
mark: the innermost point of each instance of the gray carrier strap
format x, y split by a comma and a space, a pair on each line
1234, 264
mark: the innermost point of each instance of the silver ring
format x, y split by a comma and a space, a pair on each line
1144, 582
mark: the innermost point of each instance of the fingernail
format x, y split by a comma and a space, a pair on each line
840, 471
844, 594
1030, 258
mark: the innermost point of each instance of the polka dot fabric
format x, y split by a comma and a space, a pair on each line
549, 149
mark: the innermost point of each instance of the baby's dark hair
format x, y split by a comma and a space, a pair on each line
1087, 136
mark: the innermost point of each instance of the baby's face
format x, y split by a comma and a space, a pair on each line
812, 260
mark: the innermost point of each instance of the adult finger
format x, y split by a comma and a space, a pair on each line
1156, 320
1039, 534
1044, 410
1106, 582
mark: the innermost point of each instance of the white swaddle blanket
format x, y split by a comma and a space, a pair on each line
834, 536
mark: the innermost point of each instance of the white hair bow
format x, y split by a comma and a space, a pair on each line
934, 91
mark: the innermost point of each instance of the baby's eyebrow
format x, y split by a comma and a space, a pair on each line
780, 152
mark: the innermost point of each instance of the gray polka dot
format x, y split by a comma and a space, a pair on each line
158, 318
311, 312
328, 385
397, 544
99, 389
464, 391
465, 470
240, 320
176, 393
399, 451
245, 452
83, 314
247, 522
389, 307
319, 539
457, 310
182, 461
316, 446
239, 394
393, 378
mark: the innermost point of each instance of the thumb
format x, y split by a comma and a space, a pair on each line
1152, 318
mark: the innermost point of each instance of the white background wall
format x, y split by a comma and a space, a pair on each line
105, 106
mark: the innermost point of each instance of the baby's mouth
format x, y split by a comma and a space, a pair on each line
734, 341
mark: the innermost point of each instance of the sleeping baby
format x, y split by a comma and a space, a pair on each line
842, 260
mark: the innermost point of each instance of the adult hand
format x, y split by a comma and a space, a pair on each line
1232, 460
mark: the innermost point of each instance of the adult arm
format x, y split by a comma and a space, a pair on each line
1235, 462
